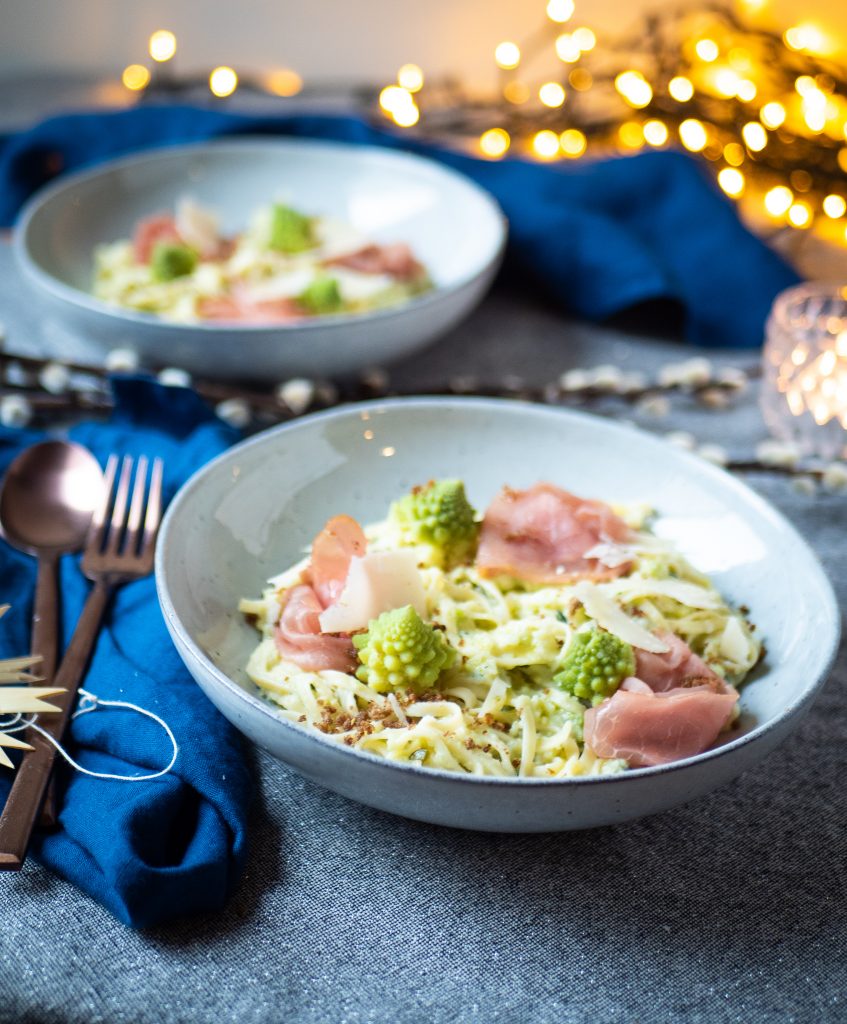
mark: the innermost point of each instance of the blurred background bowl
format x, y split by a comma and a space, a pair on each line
253, 511
454, 228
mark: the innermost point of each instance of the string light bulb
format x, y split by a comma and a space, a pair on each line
680, 89
407, 116
162, 45
560, 10
693, 134
772, 114
567, 49
495, 142
807, 38
778, 200
573, 142
551, 94
634, 88
135, 77
516, 92
731, 180
283, 82
584, 39
800, 214
223, 81
655, 132
410, 77
834, 206
707, 50
631, 135
507, 55
546, 144
755, 137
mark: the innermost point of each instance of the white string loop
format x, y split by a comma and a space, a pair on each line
89, 702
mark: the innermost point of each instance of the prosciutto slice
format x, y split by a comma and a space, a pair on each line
237, 307
396, 260
543, 535
298, 635
647, 728
338, 543
161, 227
676, 667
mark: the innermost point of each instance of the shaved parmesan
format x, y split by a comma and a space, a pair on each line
690, 594
600, 607
197, 226
734, 645
377, 582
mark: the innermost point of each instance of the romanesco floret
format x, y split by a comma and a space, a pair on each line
400, 651
322, 296
169, 261
290, 231
595, 665
440, 515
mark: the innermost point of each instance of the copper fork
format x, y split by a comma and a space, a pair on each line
119, 548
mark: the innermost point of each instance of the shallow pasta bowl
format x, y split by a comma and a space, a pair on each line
251, 512
453, 226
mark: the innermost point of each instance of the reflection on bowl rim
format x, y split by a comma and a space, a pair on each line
90, 303
830, 612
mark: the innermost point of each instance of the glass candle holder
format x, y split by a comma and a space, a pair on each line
804, 386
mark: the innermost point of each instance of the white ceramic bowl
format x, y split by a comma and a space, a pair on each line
455, 228
250, 513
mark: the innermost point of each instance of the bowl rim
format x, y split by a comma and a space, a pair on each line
91, 304
829, 620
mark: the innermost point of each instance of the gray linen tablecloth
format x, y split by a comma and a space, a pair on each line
730, 909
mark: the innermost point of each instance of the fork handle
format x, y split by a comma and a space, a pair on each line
31, 778
45, 628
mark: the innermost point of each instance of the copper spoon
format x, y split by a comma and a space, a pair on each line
47, 499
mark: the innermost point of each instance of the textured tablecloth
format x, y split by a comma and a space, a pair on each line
729, 909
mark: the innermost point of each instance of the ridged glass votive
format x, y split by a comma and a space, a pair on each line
804, 386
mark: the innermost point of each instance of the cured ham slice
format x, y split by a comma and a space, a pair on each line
544, 534
237, 307
647, 728
299, 639
396, 260
678, 666
161, 227
341, 540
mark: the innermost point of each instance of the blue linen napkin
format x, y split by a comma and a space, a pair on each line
148, 851
601, 236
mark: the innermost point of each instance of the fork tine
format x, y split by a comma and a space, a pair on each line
136, 506
98, 520
154, 506
116, 528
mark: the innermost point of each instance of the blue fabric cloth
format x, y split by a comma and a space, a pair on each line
149, 851
600, 236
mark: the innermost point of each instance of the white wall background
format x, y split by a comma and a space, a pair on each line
322, 39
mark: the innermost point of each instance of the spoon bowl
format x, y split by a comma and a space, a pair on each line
48, 497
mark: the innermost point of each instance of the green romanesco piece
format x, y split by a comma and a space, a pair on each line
440, 515
169, 260
595, 665
322, 296
401, 652
290, 231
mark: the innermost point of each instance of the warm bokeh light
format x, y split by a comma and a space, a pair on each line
680, 89
693, 135
507, 55
726, 82
573, 142
560, 10
584, 39
754, 135
162, 45
223, 81
567, 48
411, 77
546, 144
631, 135
772, 114
731, 180
405, 117
746, 90
634, 88
733, 153
582, 79
805, 84
551, 94
516, 92
283, 82
805, 37
707, 50
834, 206
655, 133
800, 215
135, 77
395, 97
778, 200
495, 142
